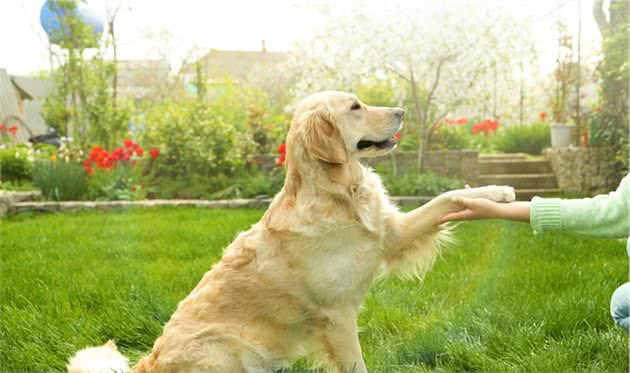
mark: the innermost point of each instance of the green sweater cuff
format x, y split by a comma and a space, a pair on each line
545, 214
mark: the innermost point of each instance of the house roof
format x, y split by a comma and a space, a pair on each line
33, 87
8, 98
237, 63
21, 99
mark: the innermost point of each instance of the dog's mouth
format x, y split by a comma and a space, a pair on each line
385, 144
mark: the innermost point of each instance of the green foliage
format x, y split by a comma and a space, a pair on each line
18, 186
60, 181
215, 138
447, 137
614, 74
83, 102
418, 184
245, 185
86, 277
377, 92
194, 139
14, 165
530, 139
113, 184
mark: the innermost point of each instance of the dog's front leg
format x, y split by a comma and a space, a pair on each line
338, 344
412, 238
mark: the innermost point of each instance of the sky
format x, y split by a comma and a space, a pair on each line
183, 29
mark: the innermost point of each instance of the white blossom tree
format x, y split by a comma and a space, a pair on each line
438, 57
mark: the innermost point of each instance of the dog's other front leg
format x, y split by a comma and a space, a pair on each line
338, 344
412, 239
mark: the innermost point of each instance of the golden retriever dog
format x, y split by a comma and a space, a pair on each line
293, 284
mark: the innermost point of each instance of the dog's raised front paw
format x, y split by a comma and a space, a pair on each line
499, 193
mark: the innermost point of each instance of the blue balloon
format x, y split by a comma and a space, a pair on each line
51, 14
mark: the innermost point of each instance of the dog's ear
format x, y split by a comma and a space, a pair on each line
321, 137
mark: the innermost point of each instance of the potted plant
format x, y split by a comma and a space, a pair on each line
562, 135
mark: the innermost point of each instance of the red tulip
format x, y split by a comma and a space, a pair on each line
282, 148
13, 129
462, 121
128, 143
139, 151
154, 153
543, 115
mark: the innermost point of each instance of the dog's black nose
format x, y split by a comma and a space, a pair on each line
400, 113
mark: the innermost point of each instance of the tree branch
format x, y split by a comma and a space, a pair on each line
600, 17
400, 75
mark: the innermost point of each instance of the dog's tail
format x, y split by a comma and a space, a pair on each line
105, 358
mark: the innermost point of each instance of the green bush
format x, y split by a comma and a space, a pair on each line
530, 139
60, 181
451, 138
14, 165
193, 139
418, 184
246, 185
114, 184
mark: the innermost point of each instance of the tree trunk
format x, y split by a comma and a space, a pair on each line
115, 77
421, 122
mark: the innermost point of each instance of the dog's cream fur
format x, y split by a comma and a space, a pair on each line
293, 284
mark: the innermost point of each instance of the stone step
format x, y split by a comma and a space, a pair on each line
499, 157
520, 166
528, 194
521, 181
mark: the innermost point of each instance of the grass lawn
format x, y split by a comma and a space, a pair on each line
499, 300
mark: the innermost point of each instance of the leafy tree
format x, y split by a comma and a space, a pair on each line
614, 76
436, 59
83, 105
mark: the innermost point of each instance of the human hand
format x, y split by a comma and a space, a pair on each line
481, 208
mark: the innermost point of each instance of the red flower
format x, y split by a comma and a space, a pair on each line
462, 121
543, 115
397, 135
154, 153
449, 121
139, 151
142, 185
118, 153
485, 126
133, 188
87, 165
128, 143
282, 149
13, 129
493, 125
1, 127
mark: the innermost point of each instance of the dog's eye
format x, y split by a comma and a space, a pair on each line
355, 106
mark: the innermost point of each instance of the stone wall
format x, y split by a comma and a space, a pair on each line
458, 164
582, 170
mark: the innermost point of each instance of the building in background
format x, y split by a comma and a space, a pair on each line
259, 69
21, 100
139, 79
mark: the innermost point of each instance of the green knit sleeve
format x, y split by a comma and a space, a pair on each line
605, 216
545, 214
